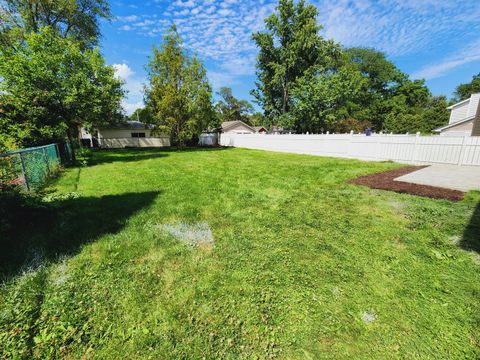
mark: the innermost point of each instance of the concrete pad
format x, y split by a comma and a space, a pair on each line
463, 178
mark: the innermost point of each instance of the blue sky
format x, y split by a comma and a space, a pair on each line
433, 39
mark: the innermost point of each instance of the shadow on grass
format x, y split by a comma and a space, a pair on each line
41, 233
471, 236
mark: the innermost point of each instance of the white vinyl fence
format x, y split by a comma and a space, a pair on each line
408, 149
208, 139
118, 143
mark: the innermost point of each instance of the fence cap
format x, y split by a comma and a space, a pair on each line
19, 151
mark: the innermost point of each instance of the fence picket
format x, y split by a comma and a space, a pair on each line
409, 149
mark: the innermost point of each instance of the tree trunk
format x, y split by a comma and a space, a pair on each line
70, 141
285, 99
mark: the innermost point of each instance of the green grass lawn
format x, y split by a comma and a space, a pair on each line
303, 266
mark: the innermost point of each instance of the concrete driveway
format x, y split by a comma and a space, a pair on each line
463, 178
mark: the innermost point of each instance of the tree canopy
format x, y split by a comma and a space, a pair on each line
179, 93
307, 83
229, 108
76, 19
290, 46
464, 91
50, 86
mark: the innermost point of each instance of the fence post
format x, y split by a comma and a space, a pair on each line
45, 155
415, 148
24, 171
350, 144
462, 151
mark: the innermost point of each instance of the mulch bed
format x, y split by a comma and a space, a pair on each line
385, 181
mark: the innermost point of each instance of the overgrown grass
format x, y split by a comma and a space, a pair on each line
303, 265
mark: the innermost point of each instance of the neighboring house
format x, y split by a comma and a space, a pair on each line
126, 134
237, 127
464, 118
260, 130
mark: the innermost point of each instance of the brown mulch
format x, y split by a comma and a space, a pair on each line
385, 181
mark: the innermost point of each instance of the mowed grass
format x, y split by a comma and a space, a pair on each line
304, 266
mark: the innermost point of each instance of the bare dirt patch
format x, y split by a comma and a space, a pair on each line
385, 181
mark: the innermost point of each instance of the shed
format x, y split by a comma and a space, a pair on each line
127, 134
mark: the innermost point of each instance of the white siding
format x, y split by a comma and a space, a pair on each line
459, 112
118, 133
117, 143
120, 138
465, 109
474, 100
464, 129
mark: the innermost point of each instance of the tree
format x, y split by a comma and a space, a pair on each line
179, 93
464, 91
435, 113
257, 119
76, 19
324, 98
144, 115
50, 86
230, 108
382, 76
425, 115
290, 46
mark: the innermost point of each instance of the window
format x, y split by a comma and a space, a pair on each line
138, 135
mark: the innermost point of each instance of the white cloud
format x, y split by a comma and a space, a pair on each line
133, 85
469, 54
131, 107
123, 71
220, 30
398, 27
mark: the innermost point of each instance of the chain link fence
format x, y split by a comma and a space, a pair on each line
32, 167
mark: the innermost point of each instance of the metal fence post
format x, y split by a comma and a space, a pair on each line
24, 171
45, 155
57, 150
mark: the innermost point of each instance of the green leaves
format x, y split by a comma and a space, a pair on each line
289, 48
306, 83
230, 108
50, 85
74, 19
179, 94
464, 91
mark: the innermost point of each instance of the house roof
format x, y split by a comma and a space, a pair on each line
227, 125
258, 128
462, 102
470, 118
129, 125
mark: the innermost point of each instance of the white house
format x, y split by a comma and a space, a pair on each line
126, 134
464, 118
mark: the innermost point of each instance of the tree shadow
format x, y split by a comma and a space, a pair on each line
471, 235
60, 228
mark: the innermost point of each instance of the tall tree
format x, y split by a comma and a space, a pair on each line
464, 91
77, 19
382, 76
143, 115
324, 98
290, 46
179, 93
229, 108
50, 86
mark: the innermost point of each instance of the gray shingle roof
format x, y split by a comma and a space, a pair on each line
129, 125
